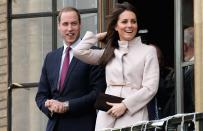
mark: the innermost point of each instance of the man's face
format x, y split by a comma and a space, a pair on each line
186, 52
69, 27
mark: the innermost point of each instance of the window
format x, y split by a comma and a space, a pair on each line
184, 56
32, 26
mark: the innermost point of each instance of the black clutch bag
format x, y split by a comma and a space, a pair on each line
102, 98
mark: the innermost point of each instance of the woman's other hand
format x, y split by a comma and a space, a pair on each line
117, 110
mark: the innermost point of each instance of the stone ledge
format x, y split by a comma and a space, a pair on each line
3, 60
3, 121
4, 87
3, 105
3, 8
3, 128
4, 52
3, 69
3, 17
3, 43
3, 26
3, 112
3, 34
4, 78
3, 1
3, 96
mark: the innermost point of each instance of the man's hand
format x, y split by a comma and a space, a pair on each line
117, 110
56, 106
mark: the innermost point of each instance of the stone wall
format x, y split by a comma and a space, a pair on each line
3, 65
198, 24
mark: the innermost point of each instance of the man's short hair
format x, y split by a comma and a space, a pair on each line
67, 9
189, 36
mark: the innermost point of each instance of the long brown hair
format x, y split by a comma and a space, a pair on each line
112, 37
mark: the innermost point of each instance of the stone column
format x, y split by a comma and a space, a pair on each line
198, 26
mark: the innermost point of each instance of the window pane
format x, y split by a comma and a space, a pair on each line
25, 114
89, 22
31, 40
31, 6
79, 4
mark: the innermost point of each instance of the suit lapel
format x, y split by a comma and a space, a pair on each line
71, 68
58, 64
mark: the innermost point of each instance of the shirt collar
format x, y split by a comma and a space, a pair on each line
192, 59
72, 46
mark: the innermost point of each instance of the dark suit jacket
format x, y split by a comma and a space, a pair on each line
82, 84
189, 105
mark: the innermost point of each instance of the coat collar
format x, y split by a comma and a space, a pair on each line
133, 42
125, 45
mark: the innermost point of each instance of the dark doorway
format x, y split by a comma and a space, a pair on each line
158, 18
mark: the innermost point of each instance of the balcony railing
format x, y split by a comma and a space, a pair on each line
178, 122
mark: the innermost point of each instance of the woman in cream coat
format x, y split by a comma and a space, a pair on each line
132, 69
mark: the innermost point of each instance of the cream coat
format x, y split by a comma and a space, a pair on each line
133, 74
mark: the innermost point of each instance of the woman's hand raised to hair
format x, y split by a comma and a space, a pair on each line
101, 36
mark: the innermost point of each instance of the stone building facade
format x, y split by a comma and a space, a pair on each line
3, 65
102, 9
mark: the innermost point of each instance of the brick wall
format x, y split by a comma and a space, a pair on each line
3, 65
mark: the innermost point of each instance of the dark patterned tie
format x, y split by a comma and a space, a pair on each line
64, 69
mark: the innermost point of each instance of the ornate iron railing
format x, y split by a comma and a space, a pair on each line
178, 122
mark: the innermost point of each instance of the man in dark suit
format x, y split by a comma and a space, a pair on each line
69, 103
189, 105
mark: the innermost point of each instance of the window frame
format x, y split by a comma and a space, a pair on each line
53, 13
179, 63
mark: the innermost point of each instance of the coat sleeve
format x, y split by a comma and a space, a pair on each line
149, 84
43, 92
83, 51
97, 83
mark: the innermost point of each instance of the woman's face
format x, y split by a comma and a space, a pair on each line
127, 25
